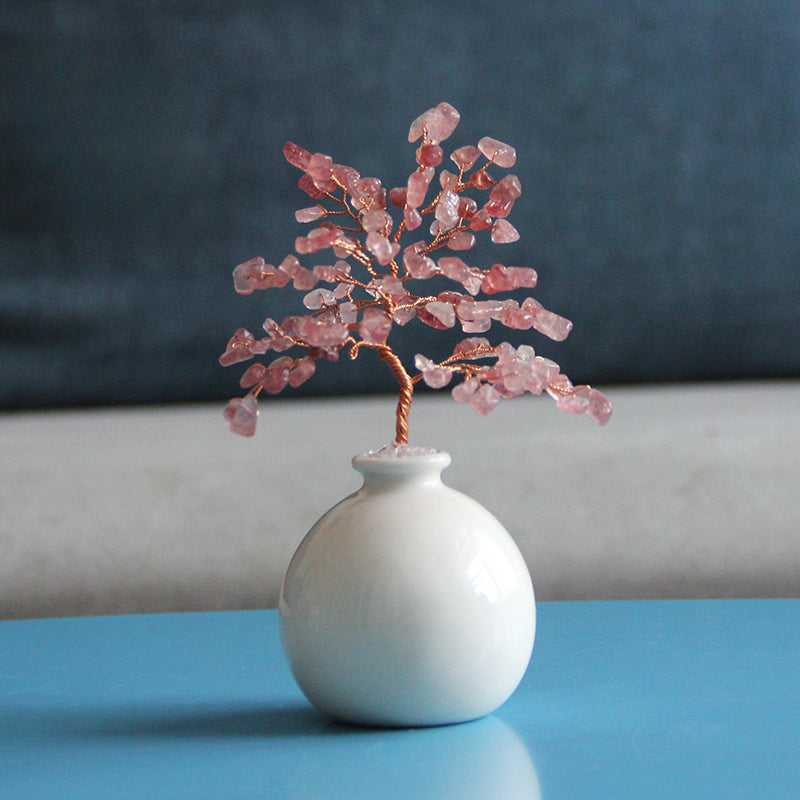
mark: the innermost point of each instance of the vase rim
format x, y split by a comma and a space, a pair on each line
393, 457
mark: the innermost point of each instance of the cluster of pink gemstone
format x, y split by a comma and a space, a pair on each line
367, 287
514, 372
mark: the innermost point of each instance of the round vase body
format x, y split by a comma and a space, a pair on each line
408, 603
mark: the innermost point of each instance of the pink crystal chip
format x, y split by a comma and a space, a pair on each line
485, 399
443, 312
599, 409
418, 183
474, 347
375, 326
412, 218
504, 232
500, 153
277, 375
519, 318
447, 209
332, 272
397, 196
418, 265
325, 235
242, 414
257, 274
476, 317
481, 221
253, 375
467, 208
551, 325
239, 348
504, 279
319, 298
583, 400
368, 194
436, 123
303, 370
503, 196
461, 240
457, 270
464, 391
247, 275
376, 220
306, 183
429, 155
448, 180
309, 214
465, 157
382, 248
323, 331
296, 155
390, 286
481, 179
435, 377
320, 169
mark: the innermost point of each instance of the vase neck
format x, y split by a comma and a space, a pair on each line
401, 464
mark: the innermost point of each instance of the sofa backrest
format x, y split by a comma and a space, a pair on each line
659, 154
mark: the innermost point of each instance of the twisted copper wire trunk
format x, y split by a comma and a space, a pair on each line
406, 392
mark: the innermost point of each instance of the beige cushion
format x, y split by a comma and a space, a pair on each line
689, 491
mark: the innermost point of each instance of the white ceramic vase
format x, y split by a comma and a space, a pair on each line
408, 603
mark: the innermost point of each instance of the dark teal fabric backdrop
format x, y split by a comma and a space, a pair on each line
140, 161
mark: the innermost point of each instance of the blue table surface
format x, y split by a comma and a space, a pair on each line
655, 699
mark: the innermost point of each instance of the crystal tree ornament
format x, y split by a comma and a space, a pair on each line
371, 281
